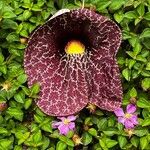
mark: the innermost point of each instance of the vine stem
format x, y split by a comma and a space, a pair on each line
83, 3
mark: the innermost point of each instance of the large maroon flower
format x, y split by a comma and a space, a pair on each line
71, 80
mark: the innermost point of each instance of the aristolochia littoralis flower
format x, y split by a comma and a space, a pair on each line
72, 56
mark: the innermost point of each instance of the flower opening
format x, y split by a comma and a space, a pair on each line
127, 115
74, 47
66, 121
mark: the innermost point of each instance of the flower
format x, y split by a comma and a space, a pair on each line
3, 106
72, 56
77, 140
91, 108
129, 132
133, 100
65, 125
6, 85
23, 40
128, 119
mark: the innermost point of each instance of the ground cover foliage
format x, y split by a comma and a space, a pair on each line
24, 126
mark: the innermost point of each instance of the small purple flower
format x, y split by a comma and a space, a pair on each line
128, 119
65, 125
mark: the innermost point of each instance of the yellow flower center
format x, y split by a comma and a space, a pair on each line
74, 47
128, 115
6, 86
66, 121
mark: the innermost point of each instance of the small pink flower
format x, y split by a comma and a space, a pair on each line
128, 119
65, 125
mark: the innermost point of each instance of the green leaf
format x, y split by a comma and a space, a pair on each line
61, 146
146, 122
143, 142
24, 33
38, 119
122, 141
131, 63
119, 16
86, 138
5, 144
12, 37
3, 130
66, 140
147, 16
22, 137
137, 20
133, 92
27, 14
145, 73
93, 131
9, 24
39, 112
115, 4
27, 103
37, 137
110, 143
1, 58
26, 90
130, 15
146, 84
35, 89
36, 8
111, 122
22, 78
9, 14
141, 9
103, 5
141, 58
47, 127
131, 54
141, 132
102, 124
126, 73
103, 144
135, 141
143, 103
17, 147
27, 1
146, 43
19, 97
110, 131
46, 142
137, 48
16, 113
148, 66
145, 33
3, 69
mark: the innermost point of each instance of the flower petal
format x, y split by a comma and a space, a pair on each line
56, 124
61, 118
131, 108
106, 84
128, 124
71, 125
71, 118
134, 119
103, 75
121, 120
63, 83
63, 129
119, 112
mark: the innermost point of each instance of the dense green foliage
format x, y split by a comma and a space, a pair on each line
24, 126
